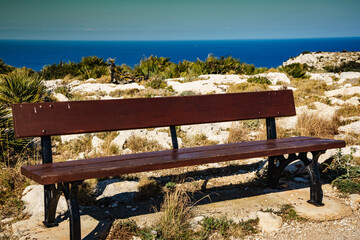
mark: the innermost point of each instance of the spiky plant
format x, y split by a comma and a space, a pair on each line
19, 87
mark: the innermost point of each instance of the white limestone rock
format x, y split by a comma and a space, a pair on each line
213, 131
68, 138
355, 101
61, 97
274, 77
343, 91
96, 143
325, 77
121, 191
33, 198
105, 87
269, 222
51, 85
344, 76
351, 128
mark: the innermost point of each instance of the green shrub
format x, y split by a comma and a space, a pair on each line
157, 84
64, 90
343, 174
259, 80
351, 66
20, 87
295, 70
4, 68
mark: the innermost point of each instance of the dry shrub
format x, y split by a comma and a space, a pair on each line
248, 130
123, 230
313, 126
12, 184
247, 87
148, 188
176, 209
309, 91
140, 144
197, 140
104, 79
107, 148
349, 111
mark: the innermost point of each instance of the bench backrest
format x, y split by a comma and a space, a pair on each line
59, 118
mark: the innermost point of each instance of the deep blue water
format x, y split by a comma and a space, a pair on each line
261, 53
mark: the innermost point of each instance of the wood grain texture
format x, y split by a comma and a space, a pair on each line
48, 119
132, 163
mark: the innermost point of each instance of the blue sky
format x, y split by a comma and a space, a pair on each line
178, 20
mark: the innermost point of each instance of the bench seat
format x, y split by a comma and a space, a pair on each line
78, 170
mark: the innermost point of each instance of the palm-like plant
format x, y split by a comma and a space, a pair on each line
19, 87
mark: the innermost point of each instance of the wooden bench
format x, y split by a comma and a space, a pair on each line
49, 119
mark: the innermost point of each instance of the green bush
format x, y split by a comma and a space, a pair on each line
20, 87
351, 66
156, 84
9, 146
4, 68
259, 80
295, 70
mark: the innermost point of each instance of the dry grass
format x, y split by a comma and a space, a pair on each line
309, 91
349, 111
247, 87
12, 184
248, 130
71, 150
197, 140
176, 211
107, 149
313, 126
140, 144
104, 79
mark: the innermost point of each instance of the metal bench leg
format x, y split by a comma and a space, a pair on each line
274, 172
316, 193
51, 199
71, 194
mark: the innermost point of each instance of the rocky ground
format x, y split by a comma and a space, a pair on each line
232, 189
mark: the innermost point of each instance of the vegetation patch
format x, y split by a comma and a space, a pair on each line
343, 173
314, 126
259, 80
247, 87
140, 144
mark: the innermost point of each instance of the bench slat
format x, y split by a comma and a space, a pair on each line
132, 163
48, 119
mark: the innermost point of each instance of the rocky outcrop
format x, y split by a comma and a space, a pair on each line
319, 60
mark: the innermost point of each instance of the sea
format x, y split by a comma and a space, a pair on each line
36, 54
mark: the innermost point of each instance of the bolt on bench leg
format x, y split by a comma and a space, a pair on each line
51, 199
316, 193
71, 194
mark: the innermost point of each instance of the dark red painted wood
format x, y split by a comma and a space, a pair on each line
48, 119
110, 166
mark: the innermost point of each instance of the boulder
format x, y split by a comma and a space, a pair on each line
61, 97
343, 91
116, 190
351, 128
269, 222
33, 198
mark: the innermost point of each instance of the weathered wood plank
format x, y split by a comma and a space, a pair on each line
47, 119
110, 166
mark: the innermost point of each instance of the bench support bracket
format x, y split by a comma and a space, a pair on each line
70, 190
51, 200
277, 164
316, 193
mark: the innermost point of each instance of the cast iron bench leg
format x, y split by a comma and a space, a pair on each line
71, 195
51, 199
316, 193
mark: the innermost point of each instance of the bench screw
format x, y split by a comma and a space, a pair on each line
40, 106
43, 131
50, 106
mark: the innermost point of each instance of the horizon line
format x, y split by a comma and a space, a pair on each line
175, 40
